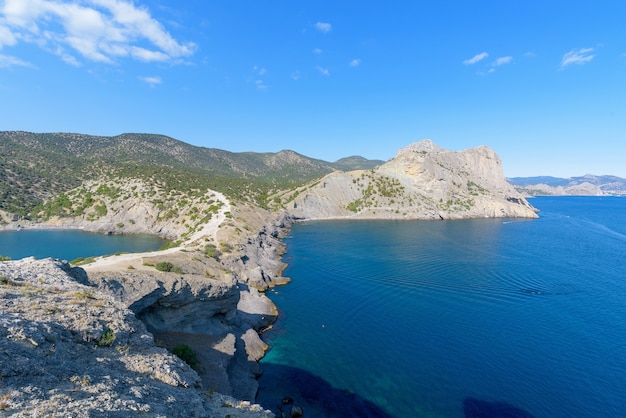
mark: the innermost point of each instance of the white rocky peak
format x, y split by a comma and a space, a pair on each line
425, 145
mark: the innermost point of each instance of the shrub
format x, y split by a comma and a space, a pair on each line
168, 267
211, 250
107, 338
169, 244
186, 354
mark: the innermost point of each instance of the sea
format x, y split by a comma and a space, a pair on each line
463, 318
70, 245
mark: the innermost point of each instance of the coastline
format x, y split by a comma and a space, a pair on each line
223, 293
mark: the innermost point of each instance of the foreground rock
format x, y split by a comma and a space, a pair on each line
71, 350
201, 306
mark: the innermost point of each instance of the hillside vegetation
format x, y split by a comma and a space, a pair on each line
35, 167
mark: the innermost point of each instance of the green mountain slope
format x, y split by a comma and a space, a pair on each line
36, 166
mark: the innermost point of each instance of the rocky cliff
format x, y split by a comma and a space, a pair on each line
206, 296
73, 350
423, 181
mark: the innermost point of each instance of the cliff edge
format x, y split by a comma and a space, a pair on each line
72, 350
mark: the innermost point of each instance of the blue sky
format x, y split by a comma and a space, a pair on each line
541, 82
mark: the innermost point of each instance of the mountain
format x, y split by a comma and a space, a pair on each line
356, 163
423, 181
587, 185
37, 166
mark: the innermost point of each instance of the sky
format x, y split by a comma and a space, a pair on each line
541, 82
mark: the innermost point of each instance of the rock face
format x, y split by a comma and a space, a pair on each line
423, 181
216, 316
71, 350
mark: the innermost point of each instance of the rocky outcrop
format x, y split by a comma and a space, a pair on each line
204, 300
72, 350
217, 316
423, 181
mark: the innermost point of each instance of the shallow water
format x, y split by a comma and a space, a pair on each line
71, 244
483, 317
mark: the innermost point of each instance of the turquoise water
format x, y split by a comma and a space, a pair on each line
472, 318
71, 244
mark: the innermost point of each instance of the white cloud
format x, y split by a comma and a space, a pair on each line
577, 56
152, 81
355, 62
317, 51
323, 71
260, 84
501, 61
296, 75
7, 61
323, 27
97, 30
259, 70
476, 58
6, 36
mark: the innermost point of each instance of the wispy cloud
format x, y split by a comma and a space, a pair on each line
355, 62
501, 61
102, 31
577, 56
152, 81
323, 71
259, 70
323, 27
7, 61
317, 51
296, 75
259, 82
476, 58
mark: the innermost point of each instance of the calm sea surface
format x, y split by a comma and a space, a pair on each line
72, 244
470, 318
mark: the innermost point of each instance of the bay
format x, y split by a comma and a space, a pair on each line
483, 317
71, 244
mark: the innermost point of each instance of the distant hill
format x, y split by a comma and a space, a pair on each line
35, 166
587, 185
356, 163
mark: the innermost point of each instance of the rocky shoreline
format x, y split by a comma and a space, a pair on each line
214, 303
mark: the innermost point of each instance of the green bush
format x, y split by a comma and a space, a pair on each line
107, 338
211, 251
168, 267
186, 354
